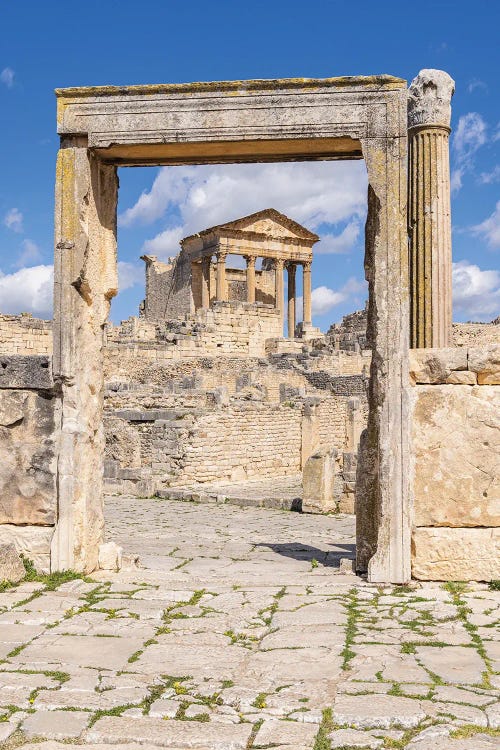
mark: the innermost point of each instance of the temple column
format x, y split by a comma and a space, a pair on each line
291, 269
205, 283
307, 293
220, 285
250, 278
279, 286
429, 215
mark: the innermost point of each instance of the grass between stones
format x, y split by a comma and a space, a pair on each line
470, 730
456, 590
272, 608
353, 614
322, 742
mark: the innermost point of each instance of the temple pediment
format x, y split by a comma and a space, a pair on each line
268, 223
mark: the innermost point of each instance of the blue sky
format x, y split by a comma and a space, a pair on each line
56, 44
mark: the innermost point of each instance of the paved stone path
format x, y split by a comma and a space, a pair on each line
283, 493
240, 632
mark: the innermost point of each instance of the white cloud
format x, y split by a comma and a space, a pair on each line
339, 243
312, 193
13, 219
27, 290
456, 180
476, 293
470, 134
129, 274
324, 299
490, 228
30, 253
476, 83
487, 178
164, 244
354, 287
7, 77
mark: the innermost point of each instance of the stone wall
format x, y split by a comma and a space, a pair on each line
29, 417
24, 334
168, 288
456, 447
227, 329
476, 334
157, 437
350, 334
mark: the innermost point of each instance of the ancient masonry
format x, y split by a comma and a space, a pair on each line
202, 396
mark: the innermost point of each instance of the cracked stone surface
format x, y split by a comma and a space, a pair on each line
238, 631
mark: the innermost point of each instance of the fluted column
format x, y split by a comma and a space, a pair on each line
250, 278
291, 270
205, 283
429, 215
279, 286
307, 294
220, 282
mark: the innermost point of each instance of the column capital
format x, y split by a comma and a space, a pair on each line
221, 255
429, 99
279, 263
250, 259
307, 264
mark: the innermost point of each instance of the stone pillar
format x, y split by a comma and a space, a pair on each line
85, 281
307, 293
279, 286
250, 278
291, 269
205, 283
429, 216
318, 483
221, 287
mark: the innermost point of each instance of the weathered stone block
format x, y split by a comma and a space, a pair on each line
461, 377
456, 442
485, 361
31, 541
19, 371
318, 478
110, 556
435, 365
441, 554
11, 566
27, 457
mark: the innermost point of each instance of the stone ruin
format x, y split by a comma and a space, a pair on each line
202, 393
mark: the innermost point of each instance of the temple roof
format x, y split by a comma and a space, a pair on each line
266, 223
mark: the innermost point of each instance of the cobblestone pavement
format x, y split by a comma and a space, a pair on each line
240, 632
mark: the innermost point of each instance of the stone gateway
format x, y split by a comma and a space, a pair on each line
210, 337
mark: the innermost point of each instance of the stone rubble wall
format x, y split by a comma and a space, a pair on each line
228, 329
456, 449
29, 419
476, 334
24, 334
350, 334
164, 439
